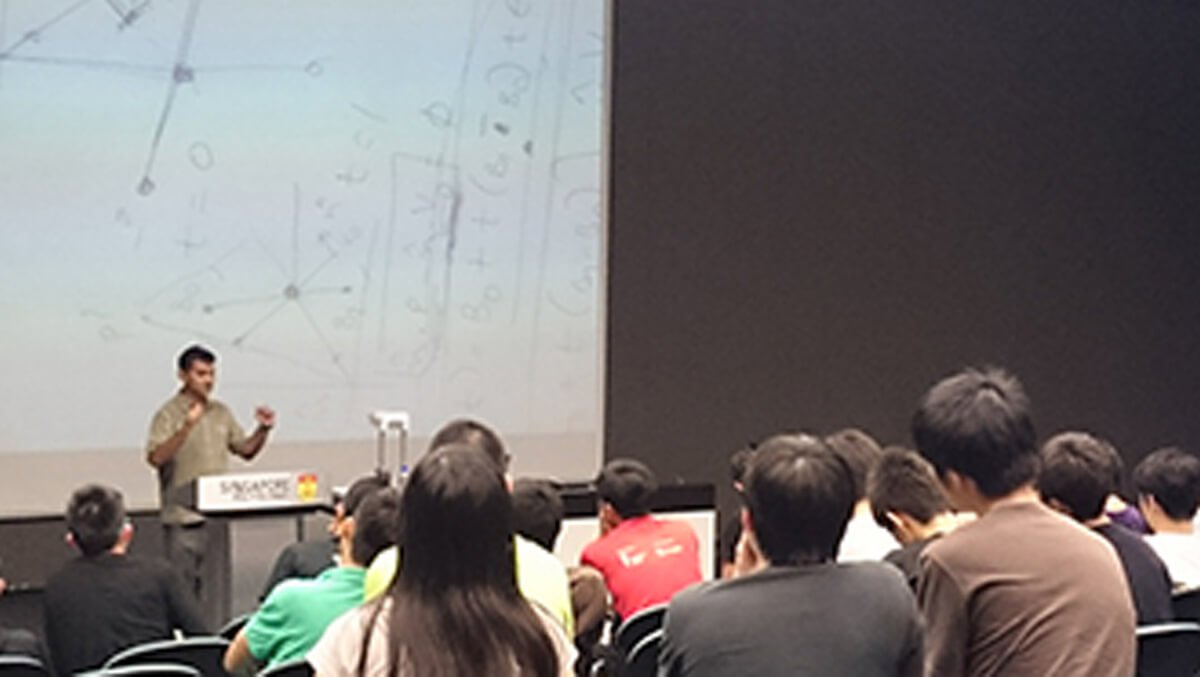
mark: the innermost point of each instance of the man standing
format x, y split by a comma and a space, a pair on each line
192, 435
804, 613
105, 601
1022, 590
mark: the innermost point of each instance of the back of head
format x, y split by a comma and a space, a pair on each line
978, 424
860, 451
360, 489
474, 433
1172, 477
537, 511
95, 517
1077, 473
628, 486
194, 353
902, 482
376, 524
455, 605
799, 494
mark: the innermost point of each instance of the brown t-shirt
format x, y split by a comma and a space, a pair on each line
1025, 591
205, 451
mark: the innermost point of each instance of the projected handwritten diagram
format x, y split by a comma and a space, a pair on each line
391, 204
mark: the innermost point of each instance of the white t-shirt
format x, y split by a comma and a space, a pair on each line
1181, 554
865, 540
337, 652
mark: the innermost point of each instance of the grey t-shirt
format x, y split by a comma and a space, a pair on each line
205, 451
825, 619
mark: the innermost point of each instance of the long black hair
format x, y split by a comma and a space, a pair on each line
455, 606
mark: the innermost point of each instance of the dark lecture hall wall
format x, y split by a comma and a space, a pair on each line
820, 208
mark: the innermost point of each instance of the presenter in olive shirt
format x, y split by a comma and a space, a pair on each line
192, 435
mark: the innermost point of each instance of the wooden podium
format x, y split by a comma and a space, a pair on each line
227, 500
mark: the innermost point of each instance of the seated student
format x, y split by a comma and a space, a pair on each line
803, 614
307, 559
1115, 506
454, 607
644, 560
1021, 590
907, 500
537, 511
731, 526
541, 577
297, 611
105, 600
1076, 479
1168, 486
865, 540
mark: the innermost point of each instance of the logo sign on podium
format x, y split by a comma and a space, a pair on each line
249, 492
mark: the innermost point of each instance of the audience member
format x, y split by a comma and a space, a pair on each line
537, 511
1115, 505
1168, 486
1076, 479
307, 559
454, 607
540, 576
803, 614
865, 540
296, 613
731, 526
644, 560
105, 600
1021, 590
907, 500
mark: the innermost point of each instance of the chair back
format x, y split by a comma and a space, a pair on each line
1186, 605
146, 670
234, 626
205, 654
642, 659
633, 629
13, 665
296, 668
1168, 650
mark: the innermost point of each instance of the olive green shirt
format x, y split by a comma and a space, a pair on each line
205, 451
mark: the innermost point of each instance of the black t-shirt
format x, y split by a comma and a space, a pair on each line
908, 559
98, 606
1147, 575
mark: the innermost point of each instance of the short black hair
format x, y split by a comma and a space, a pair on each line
537, 511
360, 489
1078, 472
628, 486
195, 353
1172, 477
903, 482
376, 524
978, 424
95, 517
799, 495
860, 451
471, 432
739, 462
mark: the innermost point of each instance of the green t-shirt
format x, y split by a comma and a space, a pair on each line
296, 613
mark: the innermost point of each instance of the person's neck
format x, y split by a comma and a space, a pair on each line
1025, 493
1169, 526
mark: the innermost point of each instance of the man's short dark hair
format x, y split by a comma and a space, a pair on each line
739, 462
474, 433
800, 495
1077, 471
376, 524
360, 489
537, 511
860, 451
1172, 477
628, 486
195, 353
978, 424
902, 482
95, 517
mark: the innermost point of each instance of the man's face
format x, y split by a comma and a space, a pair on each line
198, 379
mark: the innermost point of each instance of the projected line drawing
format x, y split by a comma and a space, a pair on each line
178, 73
302, 284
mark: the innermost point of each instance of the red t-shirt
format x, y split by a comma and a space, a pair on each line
645, 561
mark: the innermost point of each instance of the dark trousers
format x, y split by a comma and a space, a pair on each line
200, 553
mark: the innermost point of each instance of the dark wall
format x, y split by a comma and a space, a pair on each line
820, 208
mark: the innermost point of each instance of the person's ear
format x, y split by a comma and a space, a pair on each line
126, 534
69, 538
